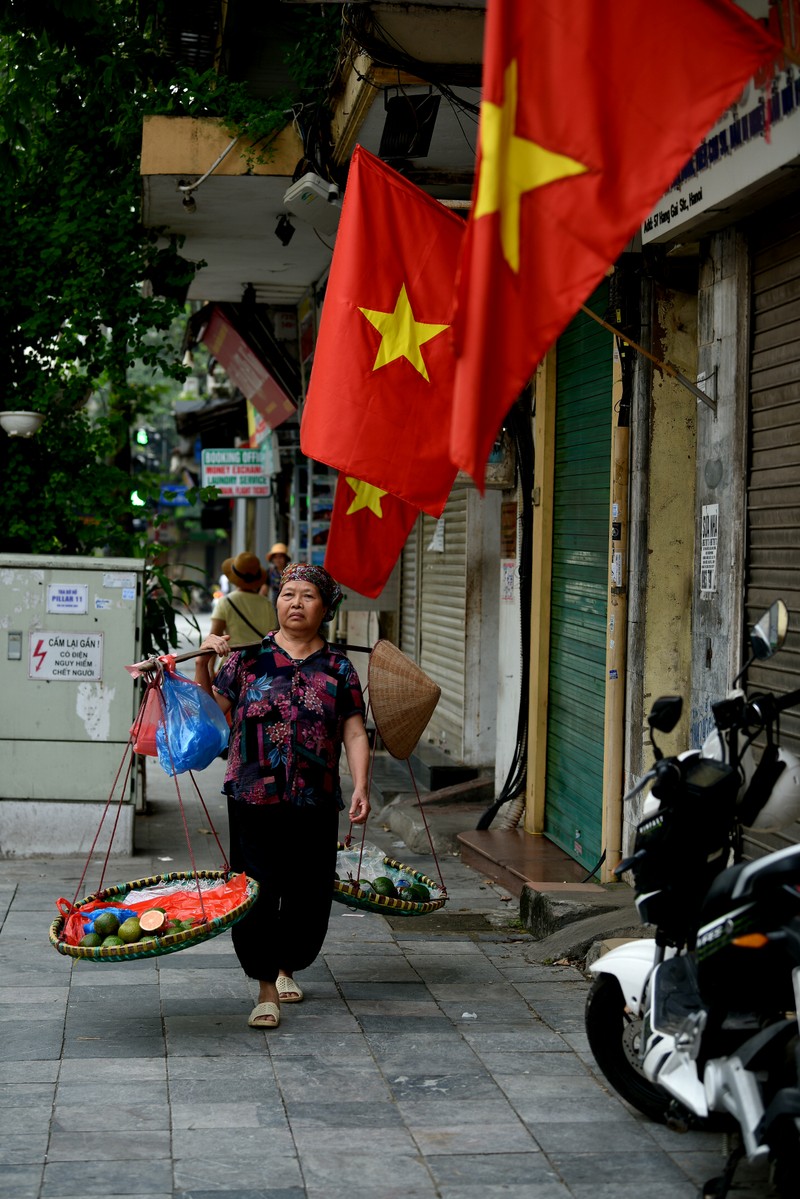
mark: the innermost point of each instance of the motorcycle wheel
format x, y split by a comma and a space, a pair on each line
613, 1037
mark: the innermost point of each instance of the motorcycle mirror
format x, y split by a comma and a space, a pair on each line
769, 633
665, 713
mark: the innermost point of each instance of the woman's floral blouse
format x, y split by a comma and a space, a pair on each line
287, 722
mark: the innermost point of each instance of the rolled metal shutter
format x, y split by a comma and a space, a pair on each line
579, 591
409, 593
443, 578
773, 485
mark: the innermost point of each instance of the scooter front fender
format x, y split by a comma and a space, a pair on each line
630, 964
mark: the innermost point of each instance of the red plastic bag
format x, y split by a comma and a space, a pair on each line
144, 728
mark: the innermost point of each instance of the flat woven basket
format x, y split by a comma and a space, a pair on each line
169, 943
350, 894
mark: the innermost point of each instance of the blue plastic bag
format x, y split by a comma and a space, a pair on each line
194, 731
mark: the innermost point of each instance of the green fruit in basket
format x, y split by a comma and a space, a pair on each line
384, 886
108, 942
130, 931
106, 924
419, 893
91, 941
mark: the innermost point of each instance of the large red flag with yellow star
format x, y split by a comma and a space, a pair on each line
589, 112
378, 402
368, 530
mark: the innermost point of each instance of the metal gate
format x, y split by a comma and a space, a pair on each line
579, 592
773, 484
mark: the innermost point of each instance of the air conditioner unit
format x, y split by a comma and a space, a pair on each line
313, 200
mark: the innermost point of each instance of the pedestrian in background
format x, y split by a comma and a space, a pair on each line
294, 702
277, 561
244, 614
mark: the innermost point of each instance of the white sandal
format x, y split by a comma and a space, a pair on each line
289, 989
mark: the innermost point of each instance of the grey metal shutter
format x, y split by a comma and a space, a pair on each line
409, 593
442, 605
773, 491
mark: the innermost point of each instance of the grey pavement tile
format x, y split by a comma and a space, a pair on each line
532, 1082
25, 1094
331, 1047
205, 1006
19, 1149
478, 1170
376, 967
585, 1105
456, 968
252, 1143
130, 1114
219, 1072
511, 1037
306, 1078
110, 1024
430, 1088
119, 975
446, 1058
314, 1135
348, 947
14, 1072
317, 1019
33, 1118
194, 1036
590, 1175
236, 1192
92, 1092
120, 1144
404, 1025
255, 1108
359, 1169
596, 1136
394, 1007
107, 1178
490, 1136
364, 989
349, 1116
21, 1181
203, 982
33, 1002
114, 1070
91, 1047
239, 1158
531, 1063
440, 947
37, 1041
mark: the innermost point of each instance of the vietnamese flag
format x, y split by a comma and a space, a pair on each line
589, 112
379, 397
367, 533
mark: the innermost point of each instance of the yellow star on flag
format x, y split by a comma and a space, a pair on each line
401, 335
512, 165
366, 496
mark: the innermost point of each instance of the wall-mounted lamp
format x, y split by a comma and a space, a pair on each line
284, 230
21, 424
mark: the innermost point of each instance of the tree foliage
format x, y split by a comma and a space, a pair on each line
76, 313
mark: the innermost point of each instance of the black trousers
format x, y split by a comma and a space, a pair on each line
291, 852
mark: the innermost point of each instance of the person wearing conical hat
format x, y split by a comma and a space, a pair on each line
244, 614
294, 701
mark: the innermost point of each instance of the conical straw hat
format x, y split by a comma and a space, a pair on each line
402, 698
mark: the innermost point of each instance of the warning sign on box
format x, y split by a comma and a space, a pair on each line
65, 656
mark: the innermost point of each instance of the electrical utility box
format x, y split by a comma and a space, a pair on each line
68, 629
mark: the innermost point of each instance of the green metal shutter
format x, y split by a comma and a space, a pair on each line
579, 594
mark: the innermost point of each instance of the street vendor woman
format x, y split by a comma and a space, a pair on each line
295, 700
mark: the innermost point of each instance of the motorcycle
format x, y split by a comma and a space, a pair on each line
697, 1026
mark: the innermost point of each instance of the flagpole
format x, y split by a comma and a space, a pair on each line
665, 367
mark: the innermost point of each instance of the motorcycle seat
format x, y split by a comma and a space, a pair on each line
719, 895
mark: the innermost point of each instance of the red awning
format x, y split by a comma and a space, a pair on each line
246, 370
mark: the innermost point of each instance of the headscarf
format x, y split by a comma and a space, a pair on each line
327, 586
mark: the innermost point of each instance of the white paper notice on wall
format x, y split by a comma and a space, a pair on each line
709, 538
436, 545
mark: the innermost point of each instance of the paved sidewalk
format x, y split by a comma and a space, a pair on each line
432, 1059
